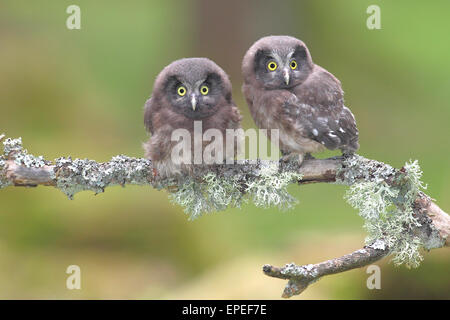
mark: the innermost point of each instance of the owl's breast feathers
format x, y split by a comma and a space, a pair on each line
162, 122
310, 116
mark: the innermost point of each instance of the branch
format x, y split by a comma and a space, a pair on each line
434, 230
300, 277
18, 168
23, 169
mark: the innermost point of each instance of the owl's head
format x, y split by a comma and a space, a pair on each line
193, 87
277, 62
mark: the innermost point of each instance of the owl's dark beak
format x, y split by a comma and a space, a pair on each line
193, 102
286, 76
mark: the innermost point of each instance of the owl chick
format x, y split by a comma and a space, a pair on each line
188, 94
285, 90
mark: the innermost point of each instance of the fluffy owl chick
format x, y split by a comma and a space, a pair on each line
188, 94
285, 90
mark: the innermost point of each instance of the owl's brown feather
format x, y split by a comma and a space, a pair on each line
310, 112
161, 118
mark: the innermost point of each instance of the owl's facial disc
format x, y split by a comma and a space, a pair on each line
282, 68
195, 99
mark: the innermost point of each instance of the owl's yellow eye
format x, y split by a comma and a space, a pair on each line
204, 90
293, 64
181, 91
272, 66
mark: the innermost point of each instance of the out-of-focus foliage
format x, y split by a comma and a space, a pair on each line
81, 93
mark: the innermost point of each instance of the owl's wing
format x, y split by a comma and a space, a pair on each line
335, 128
350, 137
148, 115
317, 108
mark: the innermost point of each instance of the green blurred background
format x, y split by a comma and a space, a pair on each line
81, 93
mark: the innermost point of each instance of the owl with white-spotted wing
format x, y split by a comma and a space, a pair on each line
285, 90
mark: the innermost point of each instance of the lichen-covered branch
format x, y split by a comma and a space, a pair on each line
433, 233
300, 277
22, 169
399, 218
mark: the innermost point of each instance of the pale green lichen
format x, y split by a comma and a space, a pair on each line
12, 145
78, 175
270, 188
266, 187
371, 198
20, 155
190, 196
212, 194
9, 145
83, 174
356, 168
3, 181
388, 214
223, 191
293, 270
12, 149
